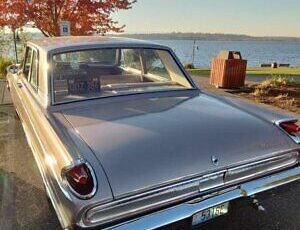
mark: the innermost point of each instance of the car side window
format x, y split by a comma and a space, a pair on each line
154, 64
131, 59
33, 70
27, 63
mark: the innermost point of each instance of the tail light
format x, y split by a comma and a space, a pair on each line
291, 127
80, 179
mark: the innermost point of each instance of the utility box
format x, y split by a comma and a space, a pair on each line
228, 70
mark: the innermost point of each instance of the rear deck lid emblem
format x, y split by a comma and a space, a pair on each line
215, 161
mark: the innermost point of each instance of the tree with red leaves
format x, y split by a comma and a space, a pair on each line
13, 14
85, 16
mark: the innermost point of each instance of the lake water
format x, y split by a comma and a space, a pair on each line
256, 52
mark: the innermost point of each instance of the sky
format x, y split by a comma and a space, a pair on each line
251, 17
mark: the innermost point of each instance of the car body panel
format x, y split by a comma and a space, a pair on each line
140, 142
165, 139
53, 149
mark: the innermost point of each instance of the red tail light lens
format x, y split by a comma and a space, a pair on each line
291, 127
80, 179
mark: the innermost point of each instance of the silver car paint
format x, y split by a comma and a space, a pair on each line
160, 140
58, 135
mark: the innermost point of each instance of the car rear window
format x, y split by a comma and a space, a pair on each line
87, 74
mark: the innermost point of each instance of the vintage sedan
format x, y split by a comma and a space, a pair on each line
124, 139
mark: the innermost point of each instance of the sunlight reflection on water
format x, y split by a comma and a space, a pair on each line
256, 52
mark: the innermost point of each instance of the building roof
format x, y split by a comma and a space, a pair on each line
54, 43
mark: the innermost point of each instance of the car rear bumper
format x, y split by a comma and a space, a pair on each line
188, 209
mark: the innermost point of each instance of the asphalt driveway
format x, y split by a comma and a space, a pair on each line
23, 203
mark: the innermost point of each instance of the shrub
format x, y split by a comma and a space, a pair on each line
258, 92
277, 81
4, 63
267, 86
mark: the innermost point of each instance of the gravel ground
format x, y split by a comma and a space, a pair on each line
23, 203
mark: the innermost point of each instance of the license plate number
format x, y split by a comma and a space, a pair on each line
84, 86
209, 214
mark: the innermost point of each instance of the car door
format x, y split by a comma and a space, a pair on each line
18, 82
26, 90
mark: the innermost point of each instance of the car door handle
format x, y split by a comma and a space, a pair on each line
20, 85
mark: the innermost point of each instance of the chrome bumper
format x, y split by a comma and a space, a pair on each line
187, 210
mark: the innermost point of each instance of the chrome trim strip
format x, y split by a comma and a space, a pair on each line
187, 210
159, 198
266, 160
261, 168
186, 179
151, 200
183, 184
294, 138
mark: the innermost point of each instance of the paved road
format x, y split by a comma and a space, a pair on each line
23, 203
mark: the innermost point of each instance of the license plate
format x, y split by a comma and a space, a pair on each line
209, 214
79, 86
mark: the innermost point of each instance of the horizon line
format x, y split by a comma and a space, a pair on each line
35, 30
206, 33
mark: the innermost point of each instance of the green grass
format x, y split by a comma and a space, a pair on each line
254, 71
270, 71
202, 71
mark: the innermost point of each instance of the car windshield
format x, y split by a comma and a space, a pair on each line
80, 75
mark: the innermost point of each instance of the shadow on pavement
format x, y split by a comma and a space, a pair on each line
23, 202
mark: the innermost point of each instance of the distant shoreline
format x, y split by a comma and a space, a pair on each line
191, 36
203, 37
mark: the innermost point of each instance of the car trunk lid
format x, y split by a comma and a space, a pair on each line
151, 142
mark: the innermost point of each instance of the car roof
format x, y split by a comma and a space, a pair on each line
69, 42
